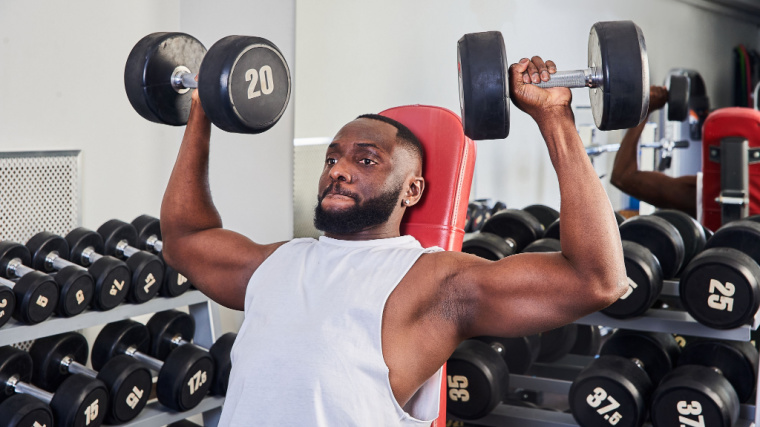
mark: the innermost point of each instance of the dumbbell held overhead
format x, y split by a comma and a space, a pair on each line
617, 76
243, 82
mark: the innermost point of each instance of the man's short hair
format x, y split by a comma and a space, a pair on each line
403, 134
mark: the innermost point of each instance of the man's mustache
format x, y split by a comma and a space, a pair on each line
335, 188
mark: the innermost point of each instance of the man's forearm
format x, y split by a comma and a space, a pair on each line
589, 234
187, 205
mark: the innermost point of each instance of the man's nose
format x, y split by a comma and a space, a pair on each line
340, 171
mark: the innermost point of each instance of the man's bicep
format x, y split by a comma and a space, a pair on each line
220, 263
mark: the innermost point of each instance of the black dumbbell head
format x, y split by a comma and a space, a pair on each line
692, 232
150, 67
220, 352
736, 360
552, 230
147, 276
164, 326
644, 282
115, 338
10, 251
742, 235
129, 383
13, 363
544, 245
556, 344
47, 354
678, 98
185, 378
518, 353
146, 226
113, 281
22, 410
487, 245
544, 214
36, 297
175, 284
76, 290
720, 288
80, 239
588, 342
658, 352
115, 231
80, 401
44, 243
7, 304
517, 226
225, 84
660, 237
479, 379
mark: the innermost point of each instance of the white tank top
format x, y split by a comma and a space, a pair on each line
309, 352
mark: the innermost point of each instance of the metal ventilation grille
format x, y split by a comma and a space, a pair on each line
39, 191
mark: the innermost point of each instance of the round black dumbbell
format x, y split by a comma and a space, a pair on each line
184, 378
557, 343
149, 239
243, 82
544, 245
36, 292
615, 388
477, 379
659, 236
691, 231
120, 241
588, 341
719, 287
7, 300
23, 410
77, 402
544, 214
55, 358
711, 380
171, 328
552, 230
505, 233
77, 285
112, 276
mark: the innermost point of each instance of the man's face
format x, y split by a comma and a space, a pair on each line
363, 178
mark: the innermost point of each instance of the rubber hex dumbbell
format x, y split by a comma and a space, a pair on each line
112, 276
719, 287
77, 402
243, 82
76, 284
184, 377
615, 388
36, 292
55, 358
149, 239
171, 328
711, 380
120, 241
506, 233
7, 300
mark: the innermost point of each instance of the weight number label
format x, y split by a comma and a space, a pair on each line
91, 412
79, 296
693, 408
263, 75
724, 300
595, 400
149, 281
181, 280
134, 397
458, 388
3, 304
631, 287
196, 381
37, 424
42, 301
117, 286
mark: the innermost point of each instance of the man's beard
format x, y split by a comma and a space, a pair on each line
372, 212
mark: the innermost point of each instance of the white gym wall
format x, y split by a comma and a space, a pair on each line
359, 57
61, 88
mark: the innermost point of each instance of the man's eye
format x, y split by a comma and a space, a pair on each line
367, 162
330, 161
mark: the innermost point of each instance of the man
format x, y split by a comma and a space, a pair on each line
655, 188
353, 329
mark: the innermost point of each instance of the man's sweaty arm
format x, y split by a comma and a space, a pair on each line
652, 187
527, 293
218, 262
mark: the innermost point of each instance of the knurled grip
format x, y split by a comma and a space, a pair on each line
570, 79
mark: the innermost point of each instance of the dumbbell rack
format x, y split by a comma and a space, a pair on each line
557, 379
207, 322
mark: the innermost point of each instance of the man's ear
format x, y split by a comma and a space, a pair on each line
414, 190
